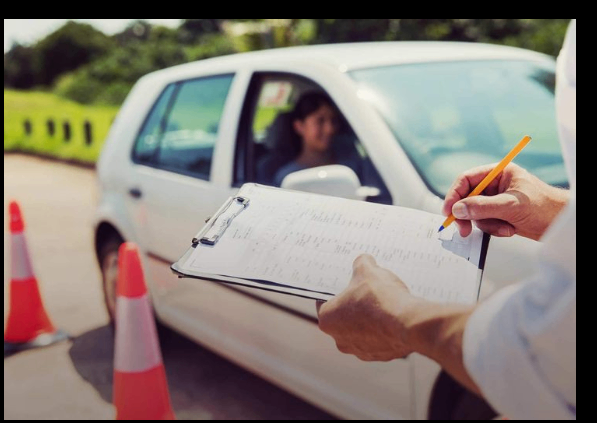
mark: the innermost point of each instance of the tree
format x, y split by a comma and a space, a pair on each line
69, 47
136, 31
191, 30
543, 35
19, 67
350, 30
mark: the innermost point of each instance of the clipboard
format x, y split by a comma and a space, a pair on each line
247, 218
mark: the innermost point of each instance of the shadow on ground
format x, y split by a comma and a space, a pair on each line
202, 385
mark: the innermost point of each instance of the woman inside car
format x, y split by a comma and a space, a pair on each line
315, 125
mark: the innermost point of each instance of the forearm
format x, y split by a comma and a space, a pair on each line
436, 331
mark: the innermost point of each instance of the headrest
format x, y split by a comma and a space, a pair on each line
279, 132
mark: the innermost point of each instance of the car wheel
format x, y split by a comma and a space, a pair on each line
451, 401
108, 258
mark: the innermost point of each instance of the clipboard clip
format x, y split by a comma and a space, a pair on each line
221, 221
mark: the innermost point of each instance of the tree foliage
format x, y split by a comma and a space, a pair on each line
543, 35
84, 64
68, 48
19, 67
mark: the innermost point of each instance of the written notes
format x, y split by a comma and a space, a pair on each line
310, 242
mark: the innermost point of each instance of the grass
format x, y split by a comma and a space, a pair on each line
40, 108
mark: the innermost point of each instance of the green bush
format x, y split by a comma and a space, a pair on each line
78, 87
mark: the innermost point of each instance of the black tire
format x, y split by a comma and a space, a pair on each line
108, 261
451, 401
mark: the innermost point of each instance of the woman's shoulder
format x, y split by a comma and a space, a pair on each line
288, 168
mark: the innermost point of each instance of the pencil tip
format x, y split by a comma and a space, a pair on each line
441, 228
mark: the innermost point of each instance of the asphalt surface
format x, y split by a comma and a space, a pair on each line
72, 379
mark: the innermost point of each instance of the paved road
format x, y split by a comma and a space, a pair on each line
73, 379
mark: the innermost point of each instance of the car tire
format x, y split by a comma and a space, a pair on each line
451, 401
108, 260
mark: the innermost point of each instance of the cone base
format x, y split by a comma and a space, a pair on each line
27, 316
42, 340
142, 395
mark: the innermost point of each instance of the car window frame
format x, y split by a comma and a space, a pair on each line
244, 152
163, 120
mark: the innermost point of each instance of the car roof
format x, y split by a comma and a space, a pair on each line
351, 56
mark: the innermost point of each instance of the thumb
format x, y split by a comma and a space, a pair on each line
318, 304
362, 263
479, 207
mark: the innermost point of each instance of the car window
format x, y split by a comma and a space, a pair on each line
191, 128
148, 139
181, 131
449, 117
270, 131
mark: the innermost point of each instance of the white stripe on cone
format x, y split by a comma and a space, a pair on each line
136, 346
21, 268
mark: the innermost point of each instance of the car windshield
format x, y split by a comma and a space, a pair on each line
452, 116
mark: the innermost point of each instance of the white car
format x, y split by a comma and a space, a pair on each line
416, 114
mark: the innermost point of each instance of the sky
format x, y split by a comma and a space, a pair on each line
29, 31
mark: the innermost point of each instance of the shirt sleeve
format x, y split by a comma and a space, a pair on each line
519, 345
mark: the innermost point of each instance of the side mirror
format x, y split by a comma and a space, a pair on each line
336, 180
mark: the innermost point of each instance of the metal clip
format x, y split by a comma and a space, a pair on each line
222, 221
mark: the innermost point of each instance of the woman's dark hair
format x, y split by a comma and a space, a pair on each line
307, 103
310, 102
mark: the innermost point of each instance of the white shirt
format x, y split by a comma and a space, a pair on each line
520, 344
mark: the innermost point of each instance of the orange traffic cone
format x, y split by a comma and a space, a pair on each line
140, 385
28, 324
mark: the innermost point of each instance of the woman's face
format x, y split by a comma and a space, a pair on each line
317, 129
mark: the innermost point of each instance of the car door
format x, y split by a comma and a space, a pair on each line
171, 187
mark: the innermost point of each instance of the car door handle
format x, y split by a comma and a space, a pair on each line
135, 192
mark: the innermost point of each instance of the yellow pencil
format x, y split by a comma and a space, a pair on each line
491, 176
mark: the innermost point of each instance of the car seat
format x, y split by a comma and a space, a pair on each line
280, 149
